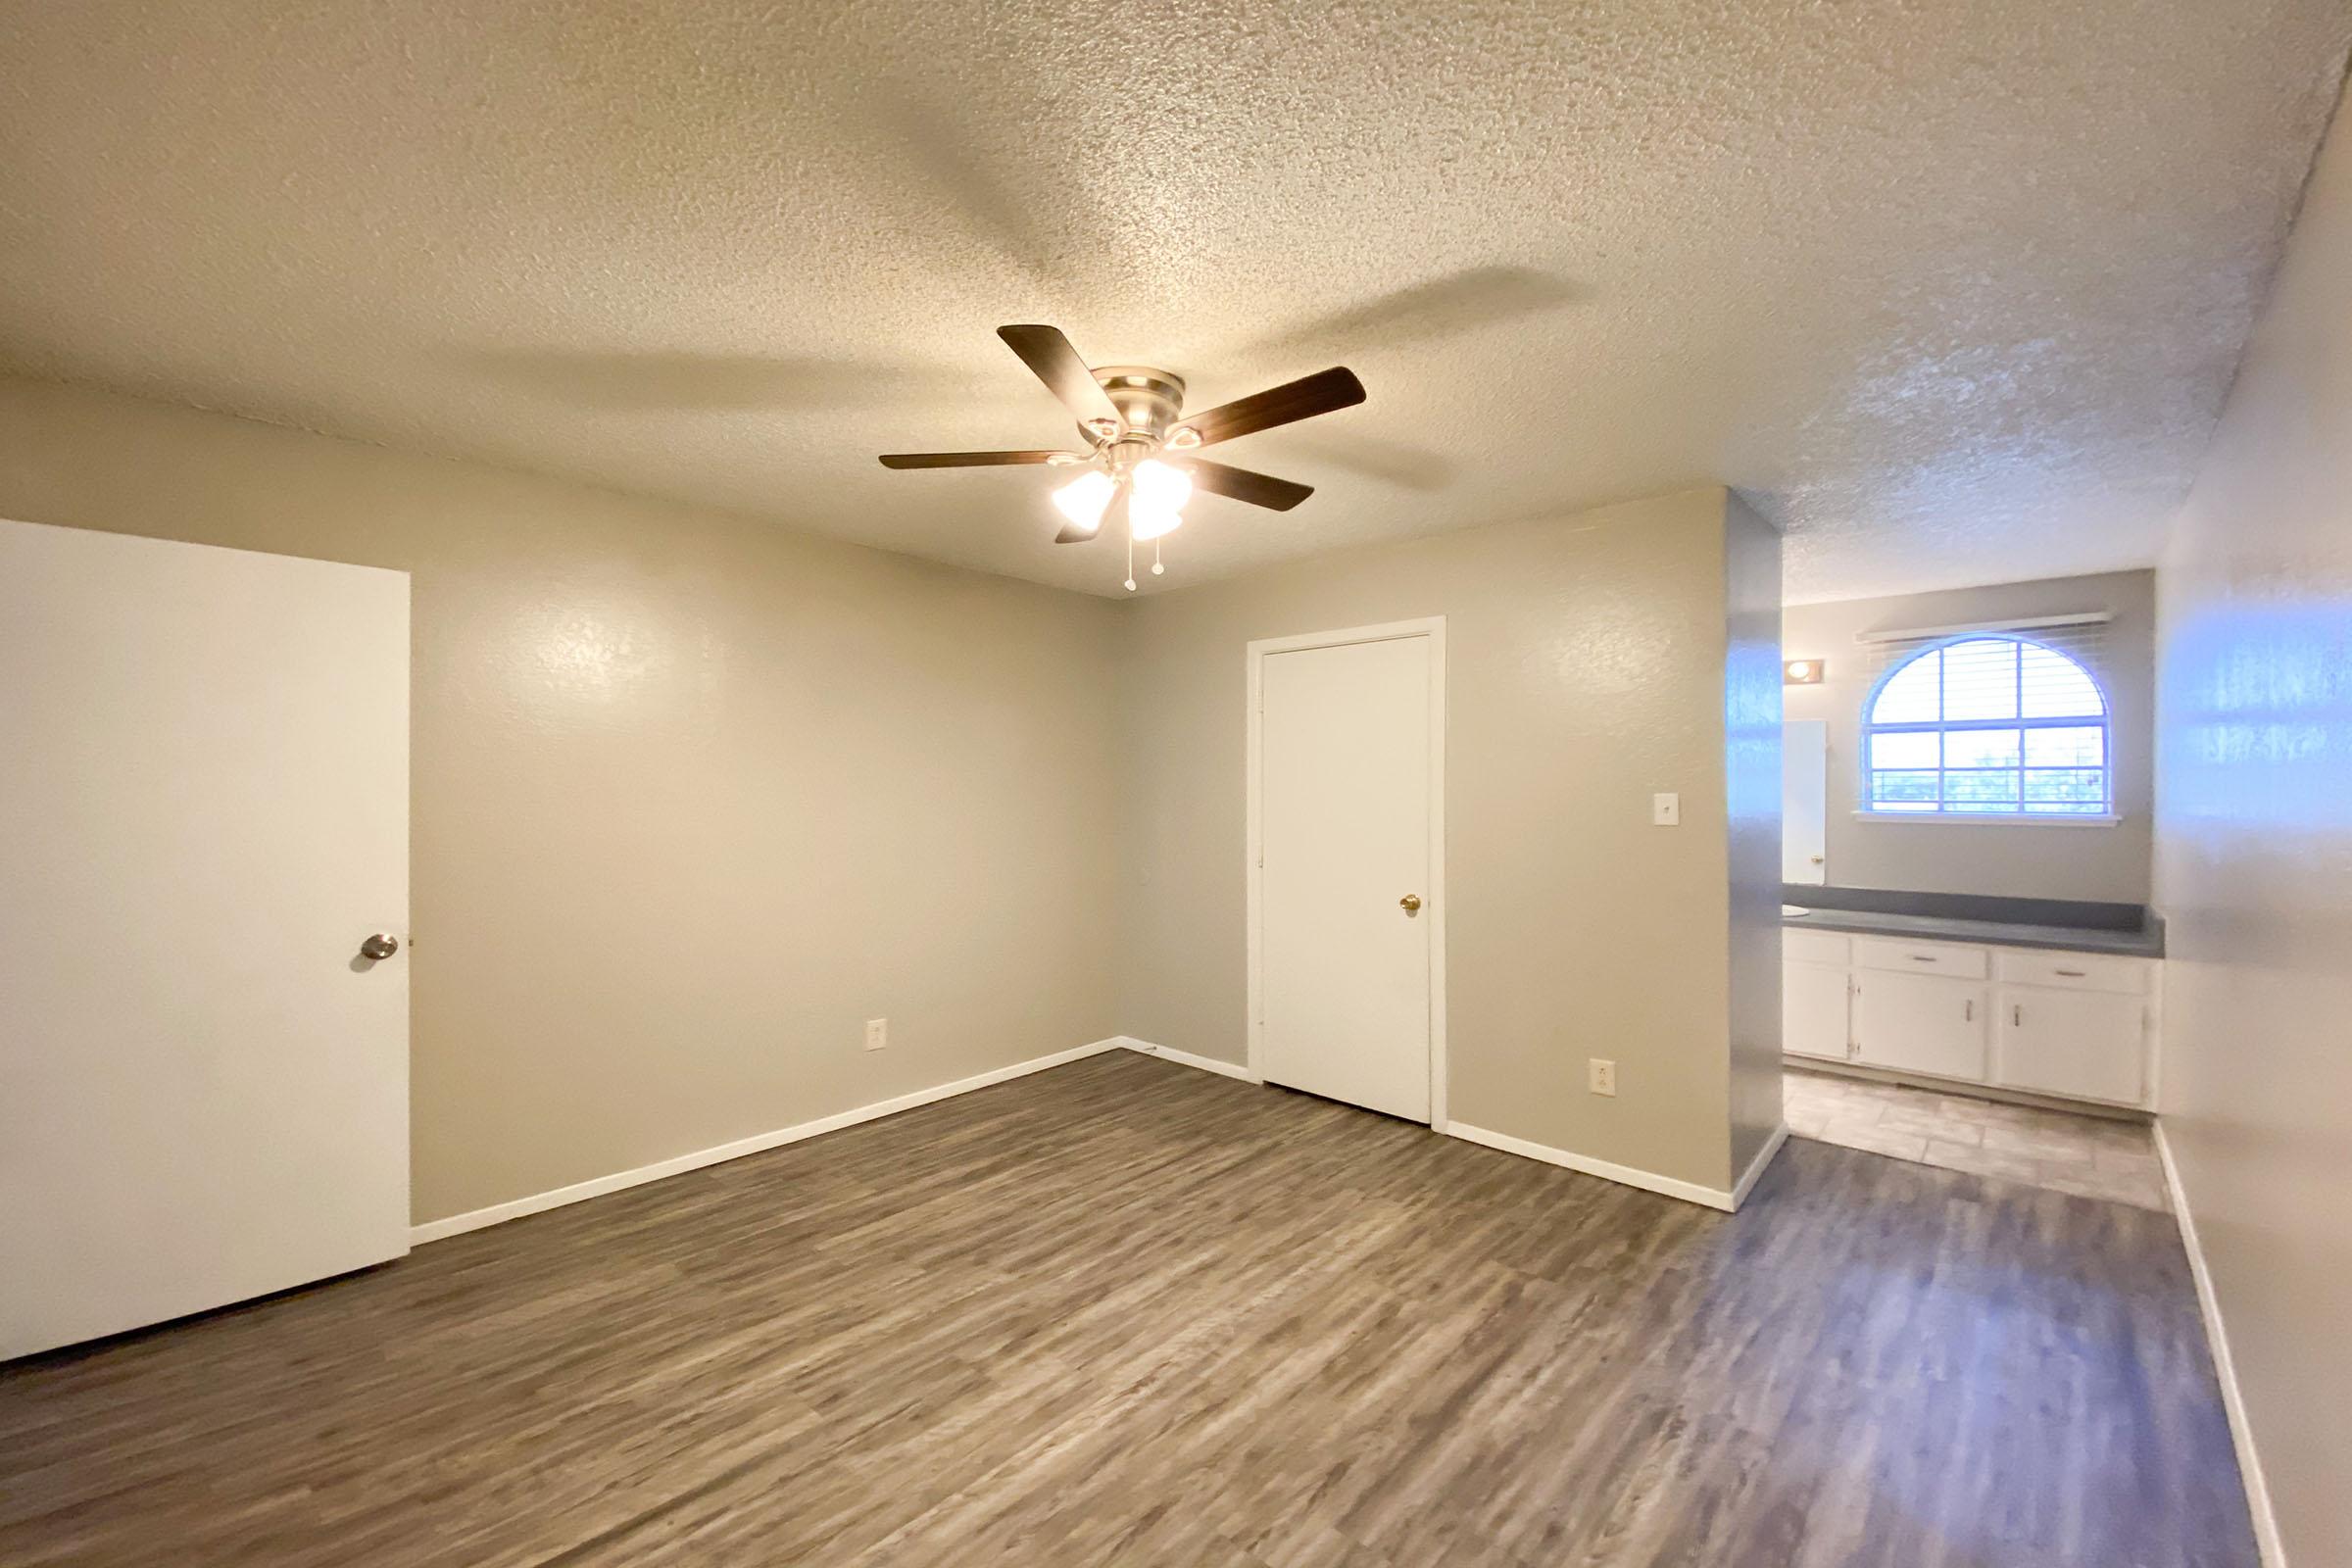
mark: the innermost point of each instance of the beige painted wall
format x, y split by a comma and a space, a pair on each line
1586, 669
2254, 869
693, 796
2038, 861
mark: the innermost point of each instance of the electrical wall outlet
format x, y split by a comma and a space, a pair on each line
1666, 811
1603, 1076
877, 1033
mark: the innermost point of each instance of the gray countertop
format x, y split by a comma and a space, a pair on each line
2145, 943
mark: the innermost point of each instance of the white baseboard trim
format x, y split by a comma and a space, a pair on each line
1755, 1167
2233, 1403
1647, 1181
1689, 1192
1205, 1063
597, 1187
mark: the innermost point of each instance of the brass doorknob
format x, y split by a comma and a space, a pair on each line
1409, 903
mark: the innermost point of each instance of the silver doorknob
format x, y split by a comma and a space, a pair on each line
382, 944
1409, 903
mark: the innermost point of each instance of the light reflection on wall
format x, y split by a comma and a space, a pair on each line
2257, 693
593, 653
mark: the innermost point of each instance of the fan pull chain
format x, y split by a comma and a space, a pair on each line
1156, 568
1131, 563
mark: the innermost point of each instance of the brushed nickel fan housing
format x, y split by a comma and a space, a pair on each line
1149, 400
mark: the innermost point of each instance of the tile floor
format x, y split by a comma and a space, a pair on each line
2090, 1157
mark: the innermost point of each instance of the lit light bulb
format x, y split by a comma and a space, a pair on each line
1150, 521
1083, 499
1161, 486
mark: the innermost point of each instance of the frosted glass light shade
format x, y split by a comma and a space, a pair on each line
1149, 522
1161, 486
1083, 499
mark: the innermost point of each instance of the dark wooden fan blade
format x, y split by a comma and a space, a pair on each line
1048, 353
1259, 489
1302, 399
961, 460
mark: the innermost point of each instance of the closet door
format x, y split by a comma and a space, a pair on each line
203, 840
1344, 828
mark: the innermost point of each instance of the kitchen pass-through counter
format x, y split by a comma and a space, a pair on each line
2037, 995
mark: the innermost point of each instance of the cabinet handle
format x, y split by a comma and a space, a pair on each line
1968, 1013
1918, 958
2016, 1017
2070, 974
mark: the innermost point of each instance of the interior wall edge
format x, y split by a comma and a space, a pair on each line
2225, 1366
2253, 876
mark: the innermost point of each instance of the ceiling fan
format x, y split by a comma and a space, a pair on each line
1139, 466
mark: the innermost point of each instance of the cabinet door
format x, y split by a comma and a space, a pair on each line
1813, 1016
2089, 1044
1921, 1023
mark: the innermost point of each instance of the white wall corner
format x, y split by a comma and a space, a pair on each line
759, 1143
1230, 1069
1756, 1166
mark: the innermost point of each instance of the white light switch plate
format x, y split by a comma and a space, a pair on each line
877, 1033
1666, 811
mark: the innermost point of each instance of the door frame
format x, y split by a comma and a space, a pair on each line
1433, 628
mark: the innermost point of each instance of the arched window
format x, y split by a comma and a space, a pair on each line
1987, 725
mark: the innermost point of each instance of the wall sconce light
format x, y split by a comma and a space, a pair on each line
1802, 672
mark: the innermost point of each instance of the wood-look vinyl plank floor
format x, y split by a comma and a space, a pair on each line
1128, 1312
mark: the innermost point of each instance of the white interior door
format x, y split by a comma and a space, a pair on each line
203, 815
1347, 910
1805, 801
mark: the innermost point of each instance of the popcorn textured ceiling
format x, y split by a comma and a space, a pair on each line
1951, 290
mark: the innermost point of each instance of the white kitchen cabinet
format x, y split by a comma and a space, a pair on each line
1814, 1020
2083, 1043
1920, 1023
2074, 1025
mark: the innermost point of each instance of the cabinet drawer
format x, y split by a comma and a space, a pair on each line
1956, 960
2074, 971
1815, 947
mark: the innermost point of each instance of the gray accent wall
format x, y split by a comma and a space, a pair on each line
2107, 864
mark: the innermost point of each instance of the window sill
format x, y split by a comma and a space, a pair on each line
1989, 819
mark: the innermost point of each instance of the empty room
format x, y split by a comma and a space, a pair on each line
1345, 786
